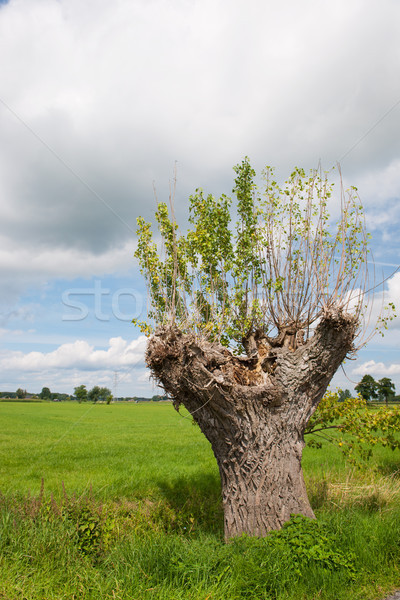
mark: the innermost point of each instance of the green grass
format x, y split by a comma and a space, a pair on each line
117, 450
130, 509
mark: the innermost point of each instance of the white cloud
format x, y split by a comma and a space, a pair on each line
145, 377
76, 363
79, 355
380, 311
394, 287
121, 90
377, 368
389, 298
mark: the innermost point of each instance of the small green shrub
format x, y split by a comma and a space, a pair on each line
306, 541
302, 553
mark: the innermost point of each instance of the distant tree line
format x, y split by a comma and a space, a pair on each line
45, 394
103, 394
156, 398
380, 391
383, 390
81, 394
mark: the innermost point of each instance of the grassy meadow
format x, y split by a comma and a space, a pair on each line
122, 501
117, 450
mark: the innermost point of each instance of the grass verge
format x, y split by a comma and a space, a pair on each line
155, 529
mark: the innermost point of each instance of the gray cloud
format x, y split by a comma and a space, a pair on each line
121, 90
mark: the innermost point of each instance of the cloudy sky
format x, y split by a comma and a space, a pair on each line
99, 100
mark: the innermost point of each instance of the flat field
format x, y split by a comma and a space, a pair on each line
117, 450
123, 502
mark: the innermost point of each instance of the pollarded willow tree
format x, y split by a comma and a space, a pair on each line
247, 324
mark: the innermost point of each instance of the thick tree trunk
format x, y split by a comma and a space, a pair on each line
254, 412
262, 483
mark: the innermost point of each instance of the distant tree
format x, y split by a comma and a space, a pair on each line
20, 393
106, 395
45, 394
100, 394
159, 398
344, 395
386, 389
367, 388
94, 394
81, 393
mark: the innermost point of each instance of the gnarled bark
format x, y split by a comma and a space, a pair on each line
254, 411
